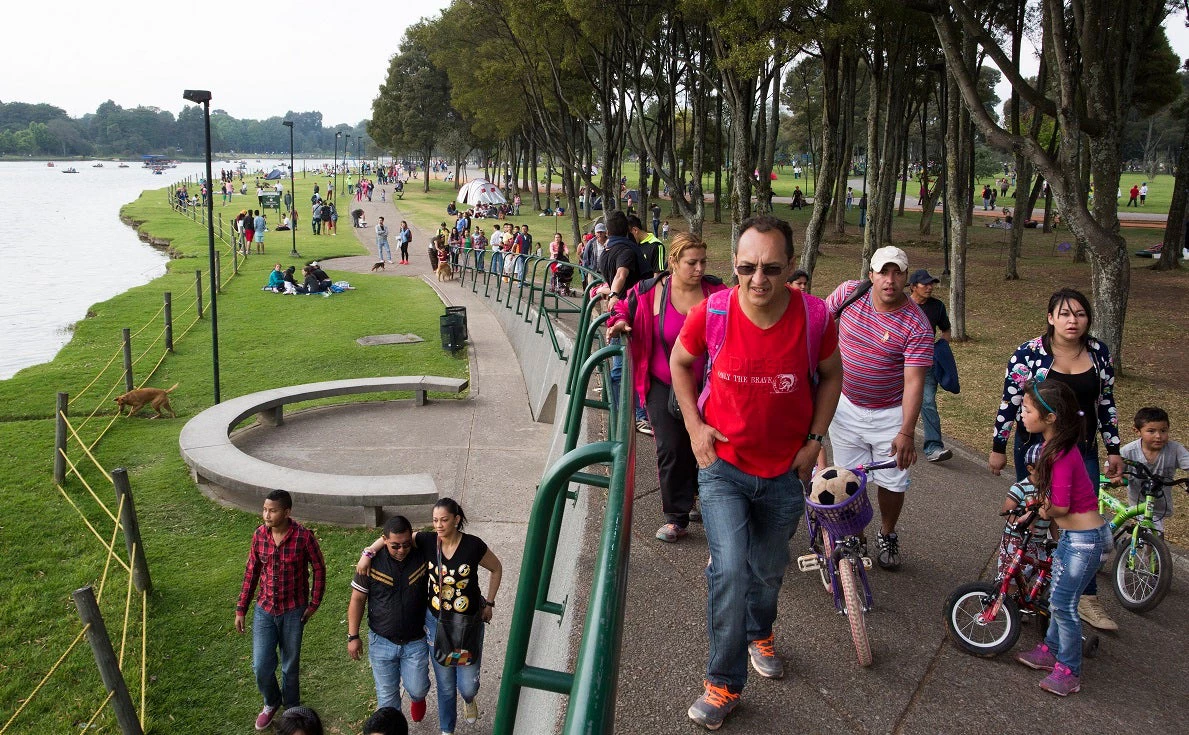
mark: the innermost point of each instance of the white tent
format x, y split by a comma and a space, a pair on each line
480, 191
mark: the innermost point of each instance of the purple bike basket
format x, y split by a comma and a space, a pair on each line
848, 518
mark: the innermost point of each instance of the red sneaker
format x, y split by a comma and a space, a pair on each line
265, 718
417, 710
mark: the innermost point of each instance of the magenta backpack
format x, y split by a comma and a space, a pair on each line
718, 305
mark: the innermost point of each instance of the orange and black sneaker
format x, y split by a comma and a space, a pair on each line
713, 706
764, 659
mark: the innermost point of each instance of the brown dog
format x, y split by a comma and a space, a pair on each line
135, 400
378, 266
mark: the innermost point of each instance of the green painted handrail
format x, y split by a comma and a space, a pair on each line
591, 686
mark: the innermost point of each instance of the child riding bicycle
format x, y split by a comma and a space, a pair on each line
1160, 455
1020, 496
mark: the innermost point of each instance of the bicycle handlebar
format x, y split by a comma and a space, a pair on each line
1141, 471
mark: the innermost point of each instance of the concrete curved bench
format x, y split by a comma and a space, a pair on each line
232, 476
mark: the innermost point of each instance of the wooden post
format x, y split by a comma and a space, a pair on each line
126, 334
198, 289
61, 405
234, 258
105, 659
169, 321
220, 225
128, 521
218, 282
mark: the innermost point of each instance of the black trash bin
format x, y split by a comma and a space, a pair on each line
451, 327
461, 311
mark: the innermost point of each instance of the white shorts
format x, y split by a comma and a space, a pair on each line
864, 435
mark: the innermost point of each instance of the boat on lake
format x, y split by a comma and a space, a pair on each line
71, 170
49, 163
97, 165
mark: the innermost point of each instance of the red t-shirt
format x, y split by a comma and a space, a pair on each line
761, 397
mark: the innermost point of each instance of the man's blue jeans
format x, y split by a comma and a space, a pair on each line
381, 248
1075, 562
616, 374
929, 417
497, 263
479, 260
392, 663
270, 632
748, 521
451, 681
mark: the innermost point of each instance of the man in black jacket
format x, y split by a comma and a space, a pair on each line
395, 593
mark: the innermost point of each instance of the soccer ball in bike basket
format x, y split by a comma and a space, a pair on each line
838, 498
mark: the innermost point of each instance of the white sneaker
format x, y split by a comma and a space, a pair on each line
939, 455
470, 711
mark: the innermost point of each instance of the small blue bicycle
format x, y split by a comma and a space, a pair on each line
838, 549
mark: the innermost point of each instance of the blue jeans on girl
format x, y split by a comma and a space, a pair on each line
1076, 560
451, 681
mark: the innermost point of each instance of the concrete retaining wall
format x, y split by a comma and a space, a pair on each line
545, 380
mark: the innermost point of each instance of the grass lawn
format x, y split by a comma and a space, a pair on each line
199, 669
1000, 315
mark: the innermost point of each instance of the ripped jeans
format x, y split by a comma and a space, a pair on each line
1076, 560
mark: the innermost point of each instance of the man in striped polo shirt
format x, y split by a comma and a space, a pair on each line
887, 348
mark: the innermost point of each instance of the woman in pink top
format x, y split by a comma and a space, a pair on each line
653, 313
1068, 497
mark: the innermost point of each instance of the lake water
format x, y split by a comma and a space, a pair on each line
65, 248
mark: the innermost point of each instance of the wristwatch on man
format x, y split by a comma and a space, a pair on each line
352, 637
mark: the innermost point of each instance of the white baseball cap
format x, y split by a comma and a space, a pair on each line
889, 254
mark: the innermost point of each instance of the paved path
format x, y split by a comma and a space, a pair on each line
919, 683
485, 451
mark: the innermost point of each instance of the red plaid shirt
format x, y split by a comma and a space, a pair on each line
281, 570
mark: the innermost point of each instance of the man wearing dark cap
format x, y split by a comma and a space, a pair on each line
920, 285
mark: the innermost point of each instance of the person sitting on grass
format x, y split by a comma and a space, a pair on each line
276, 279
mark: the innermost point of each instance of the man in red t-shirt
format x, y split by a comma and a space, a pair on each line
886, 343
755, 440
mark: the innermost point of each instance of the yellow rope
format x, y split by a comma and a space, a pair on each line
154, 369
150, 347
144, 644
115, 529
151, 320
80, 513
187, 331
78, 439
188, 289
83, 480
97, 376
127, 610
97, 711
102, 402
45, 678
102, 434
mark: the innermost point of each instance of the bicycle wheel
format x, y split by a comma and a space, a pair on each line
852, 597
827, 550
964, 611
1142, 576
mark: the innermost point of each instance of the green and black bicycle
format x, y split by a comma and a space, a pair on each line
1141, 571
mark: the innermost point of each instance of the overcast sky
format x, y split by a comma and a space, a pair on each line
258, 59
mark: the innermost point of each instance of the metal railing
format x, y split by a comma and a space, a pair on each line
592, 684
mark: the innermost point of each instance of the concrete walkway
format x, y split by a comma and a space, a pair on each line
919, 683
485, 451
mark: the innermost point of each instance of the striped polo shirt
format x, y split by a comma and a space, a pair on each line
876, 346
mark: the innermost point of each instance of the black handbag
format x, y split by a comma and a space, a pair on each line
456, 639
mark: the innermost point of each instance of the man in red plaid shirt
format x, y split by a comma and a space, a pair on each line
283, 553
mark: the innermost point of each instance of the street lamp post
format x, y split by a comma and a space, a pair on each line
292, 193
337, 135
203, 97
346, 166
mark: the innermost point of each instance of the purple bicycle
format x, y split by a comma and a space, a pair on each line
837, 510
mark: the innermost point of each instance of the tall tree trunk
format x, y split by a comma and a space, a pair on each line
718, 160
845, 145
823, 192
1174, 230
957, 180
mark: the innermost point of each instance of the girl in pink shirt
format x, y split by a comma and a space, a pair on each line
1068, 497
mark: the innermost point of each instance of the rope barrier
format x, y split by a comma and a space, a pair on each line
144, 646
153, 371
87, 450
97, 711
102, 402
98, 376
115, 529
155, 341
45, 678
152, 319
103, 433
127, 610
80, 513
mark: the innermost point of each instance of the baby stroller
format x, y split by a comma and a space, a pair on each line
563, 274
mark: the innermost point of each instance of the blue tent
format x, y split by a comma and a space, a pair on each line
274, 174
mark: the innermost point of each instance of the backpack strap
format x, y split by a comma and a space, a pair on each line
718, 306
817, 316
860, 290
